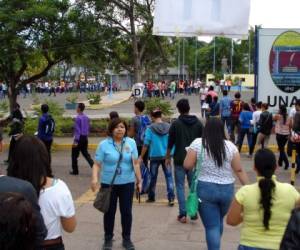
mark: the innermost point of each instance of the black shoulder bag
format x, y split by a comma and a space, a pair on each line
102, 201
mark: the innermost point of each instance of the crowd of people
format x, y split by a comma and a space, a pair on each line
45, 206
54, 87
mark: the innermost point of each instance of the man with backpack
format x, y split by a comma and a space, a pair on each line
236, 109
182, 133
46, 128
225, 110
138, 127
156, 142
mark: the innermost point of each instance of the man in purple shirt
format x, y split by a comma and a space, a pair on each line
80, 144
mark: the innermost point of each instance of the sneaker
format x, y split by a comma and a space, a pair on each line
194, 217
107, 245
171, 202
286, 167
150, 200
181, 218
128, 245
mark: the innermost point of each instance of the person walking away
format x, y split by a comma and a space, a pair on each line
80, 143
245, 121
295, 138
183, 131
225, 110
46, 128
255, 120
265, 125
215, 189
17, 222
172, 89
252, 105
282, 130
236, 109
14, 185
263, 208
138, 126
16, 129
291, 237
203, 93
156, 142
31, 162
211, 92
117, 147
214, 107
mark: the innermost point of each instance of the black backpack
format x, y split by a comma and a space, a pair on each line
49, 126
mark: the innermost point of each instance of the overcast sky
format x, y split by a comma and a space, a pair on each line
275, 13
272, 14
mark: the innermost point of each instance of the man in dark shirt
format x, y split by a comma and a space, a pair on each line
45, 130
14, 185
182, 133
80, 144
265, 125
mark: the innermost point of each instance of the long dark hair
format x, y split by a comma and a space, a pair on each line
283, 112
17, 222
296, 122
265, 164
213, 140
30, 162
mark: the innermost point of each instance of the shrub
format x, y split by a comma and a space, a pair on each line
4, 106
94, 98
73, 98
164, 106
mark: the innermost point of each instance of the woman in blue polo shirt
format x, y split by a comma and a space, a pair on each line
107, 156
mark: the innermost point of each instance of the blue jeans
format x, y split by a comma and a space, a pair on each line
180, 174
215, 202
243, 132
241, 247
154, 165
227, 122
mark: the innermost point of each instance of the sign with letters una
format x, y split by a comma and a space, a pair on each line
278, 69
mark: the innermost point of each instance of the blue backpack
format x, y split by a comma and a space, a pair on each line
144, 123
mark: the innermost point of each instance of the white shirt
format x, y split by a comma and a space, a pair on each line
292, 113
255, 117
56, 202
209, 170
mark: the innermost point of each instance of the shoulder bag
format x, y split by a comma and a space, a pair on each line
192, 201
102, 201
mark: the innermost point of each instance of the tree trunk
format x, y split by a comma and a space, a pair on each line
136, 56
12, 95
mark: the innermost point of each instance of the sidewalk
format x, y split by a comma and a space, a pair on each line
154, 227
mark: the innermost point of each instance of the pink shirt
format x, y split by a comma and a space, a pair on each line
212, 93
280, 128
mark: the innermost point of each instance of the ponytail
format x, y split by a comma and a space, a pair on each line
265, 164
267, 187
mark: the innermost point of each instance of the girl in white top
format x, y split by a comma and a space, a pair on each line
31, 162
220, 158
282, 130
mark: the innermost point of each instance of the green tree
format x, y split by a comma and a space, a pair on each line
133, 47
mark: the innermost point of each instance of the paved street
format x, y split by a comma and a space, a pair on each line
125, 109
154, 226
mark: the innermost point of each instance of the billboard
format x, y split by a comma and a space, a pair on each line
278, 69
190, 18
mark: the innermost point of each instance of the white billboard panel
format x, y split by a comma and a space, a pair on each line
278, 67
186, 18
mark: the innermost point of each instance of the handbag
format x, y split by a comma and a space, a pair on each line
102, 200
192, 201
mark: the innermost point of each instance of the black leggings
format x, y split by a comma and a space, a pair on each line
124, 193
281, 142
